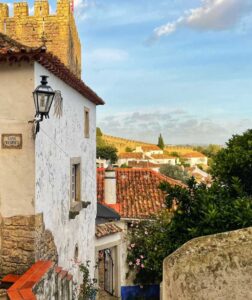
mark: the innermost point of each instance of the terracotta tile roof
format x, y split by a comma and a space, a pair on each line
163, 156
143, 164
14, 52
106, 229
138, 195
193, 155
151, 148
136, 155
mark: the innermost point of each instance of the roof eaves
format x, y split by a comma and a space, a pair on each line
16, 53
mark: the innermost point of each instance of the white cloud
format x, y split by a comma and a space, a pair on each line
177, 127
81, 7
107, 55
212, 15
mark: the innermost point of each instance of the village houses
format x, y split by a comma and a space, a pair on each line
125, 195
47, 165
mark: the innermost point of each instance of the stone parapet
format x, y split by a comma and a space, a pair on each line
215, 267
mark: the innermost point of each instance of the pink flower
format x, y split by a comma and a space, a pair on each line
142, 266
138, 263
132, 245
141, 256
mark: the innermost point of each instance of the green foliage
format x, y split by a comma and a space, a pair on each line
210, 150
235, 161
125, 166
107, 152
175, 172
129, 149
174, 153
88, 288
98, 131
161, 143
146, 248
99, 140
200, 211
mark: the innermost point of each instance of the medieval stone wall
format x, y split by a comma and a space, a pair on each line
24, 240
216, 267
57, 32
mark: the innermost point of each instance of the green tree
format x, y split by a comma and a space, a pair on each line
200, 211
99, 140
161, 143
98, 131
129, 149
235, 162
107, 152
210, 150
175, 172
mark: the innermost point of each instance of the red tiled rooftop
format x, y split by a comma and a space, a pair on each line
138, 195
193, 155
135, 155
150, 148
106, 229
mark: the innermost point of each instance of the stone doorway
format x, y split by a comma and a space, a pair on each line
106, 270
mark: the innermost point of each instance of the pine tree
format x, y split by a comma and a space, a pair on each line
161, 143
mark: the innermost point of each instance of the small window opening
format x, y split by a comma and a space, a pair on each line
86, 123
76, 253
75, 182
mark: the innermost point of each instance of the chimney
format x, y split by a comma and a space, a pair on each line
110, 186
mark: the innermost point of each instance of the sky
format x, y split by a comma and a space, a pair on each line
181, 68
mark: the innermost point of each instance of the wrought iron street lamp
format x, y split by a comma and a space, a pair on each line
43, 97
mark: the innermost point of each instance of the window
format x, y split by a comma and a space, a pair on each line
75, 179
86, 122
76, 253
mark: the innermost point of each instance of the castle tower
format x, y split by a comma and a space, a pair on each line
58, 32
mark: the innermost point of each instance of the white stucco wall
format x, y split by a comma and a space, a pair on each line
58, 141
196, 160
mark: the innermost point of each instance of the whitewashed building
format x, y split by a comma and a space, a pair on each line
48, 179
194, 158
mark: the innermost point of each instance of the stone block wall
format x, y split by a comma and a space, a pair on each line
57, 32
24, 240
215, 267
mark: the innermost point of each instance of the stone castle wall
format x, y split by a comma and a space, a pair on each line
215, 267
58, 32
24, 240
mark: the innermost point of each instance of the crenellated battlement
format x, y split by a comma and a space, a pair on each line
57, 31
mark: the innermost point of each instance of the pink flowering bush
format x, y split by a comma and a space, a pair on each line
146, 248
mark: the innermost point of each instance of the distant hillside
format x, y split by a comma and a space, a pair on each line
121, 144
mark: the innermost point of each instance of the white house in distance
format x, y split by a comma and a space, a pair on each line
48, 180
126, 157
149, 150
164, 159
194, 158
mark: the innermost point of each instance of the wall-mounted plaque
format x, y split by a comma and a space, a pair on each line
11, 141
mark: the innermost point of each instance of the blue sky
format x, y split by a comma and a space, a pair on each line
177, 67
